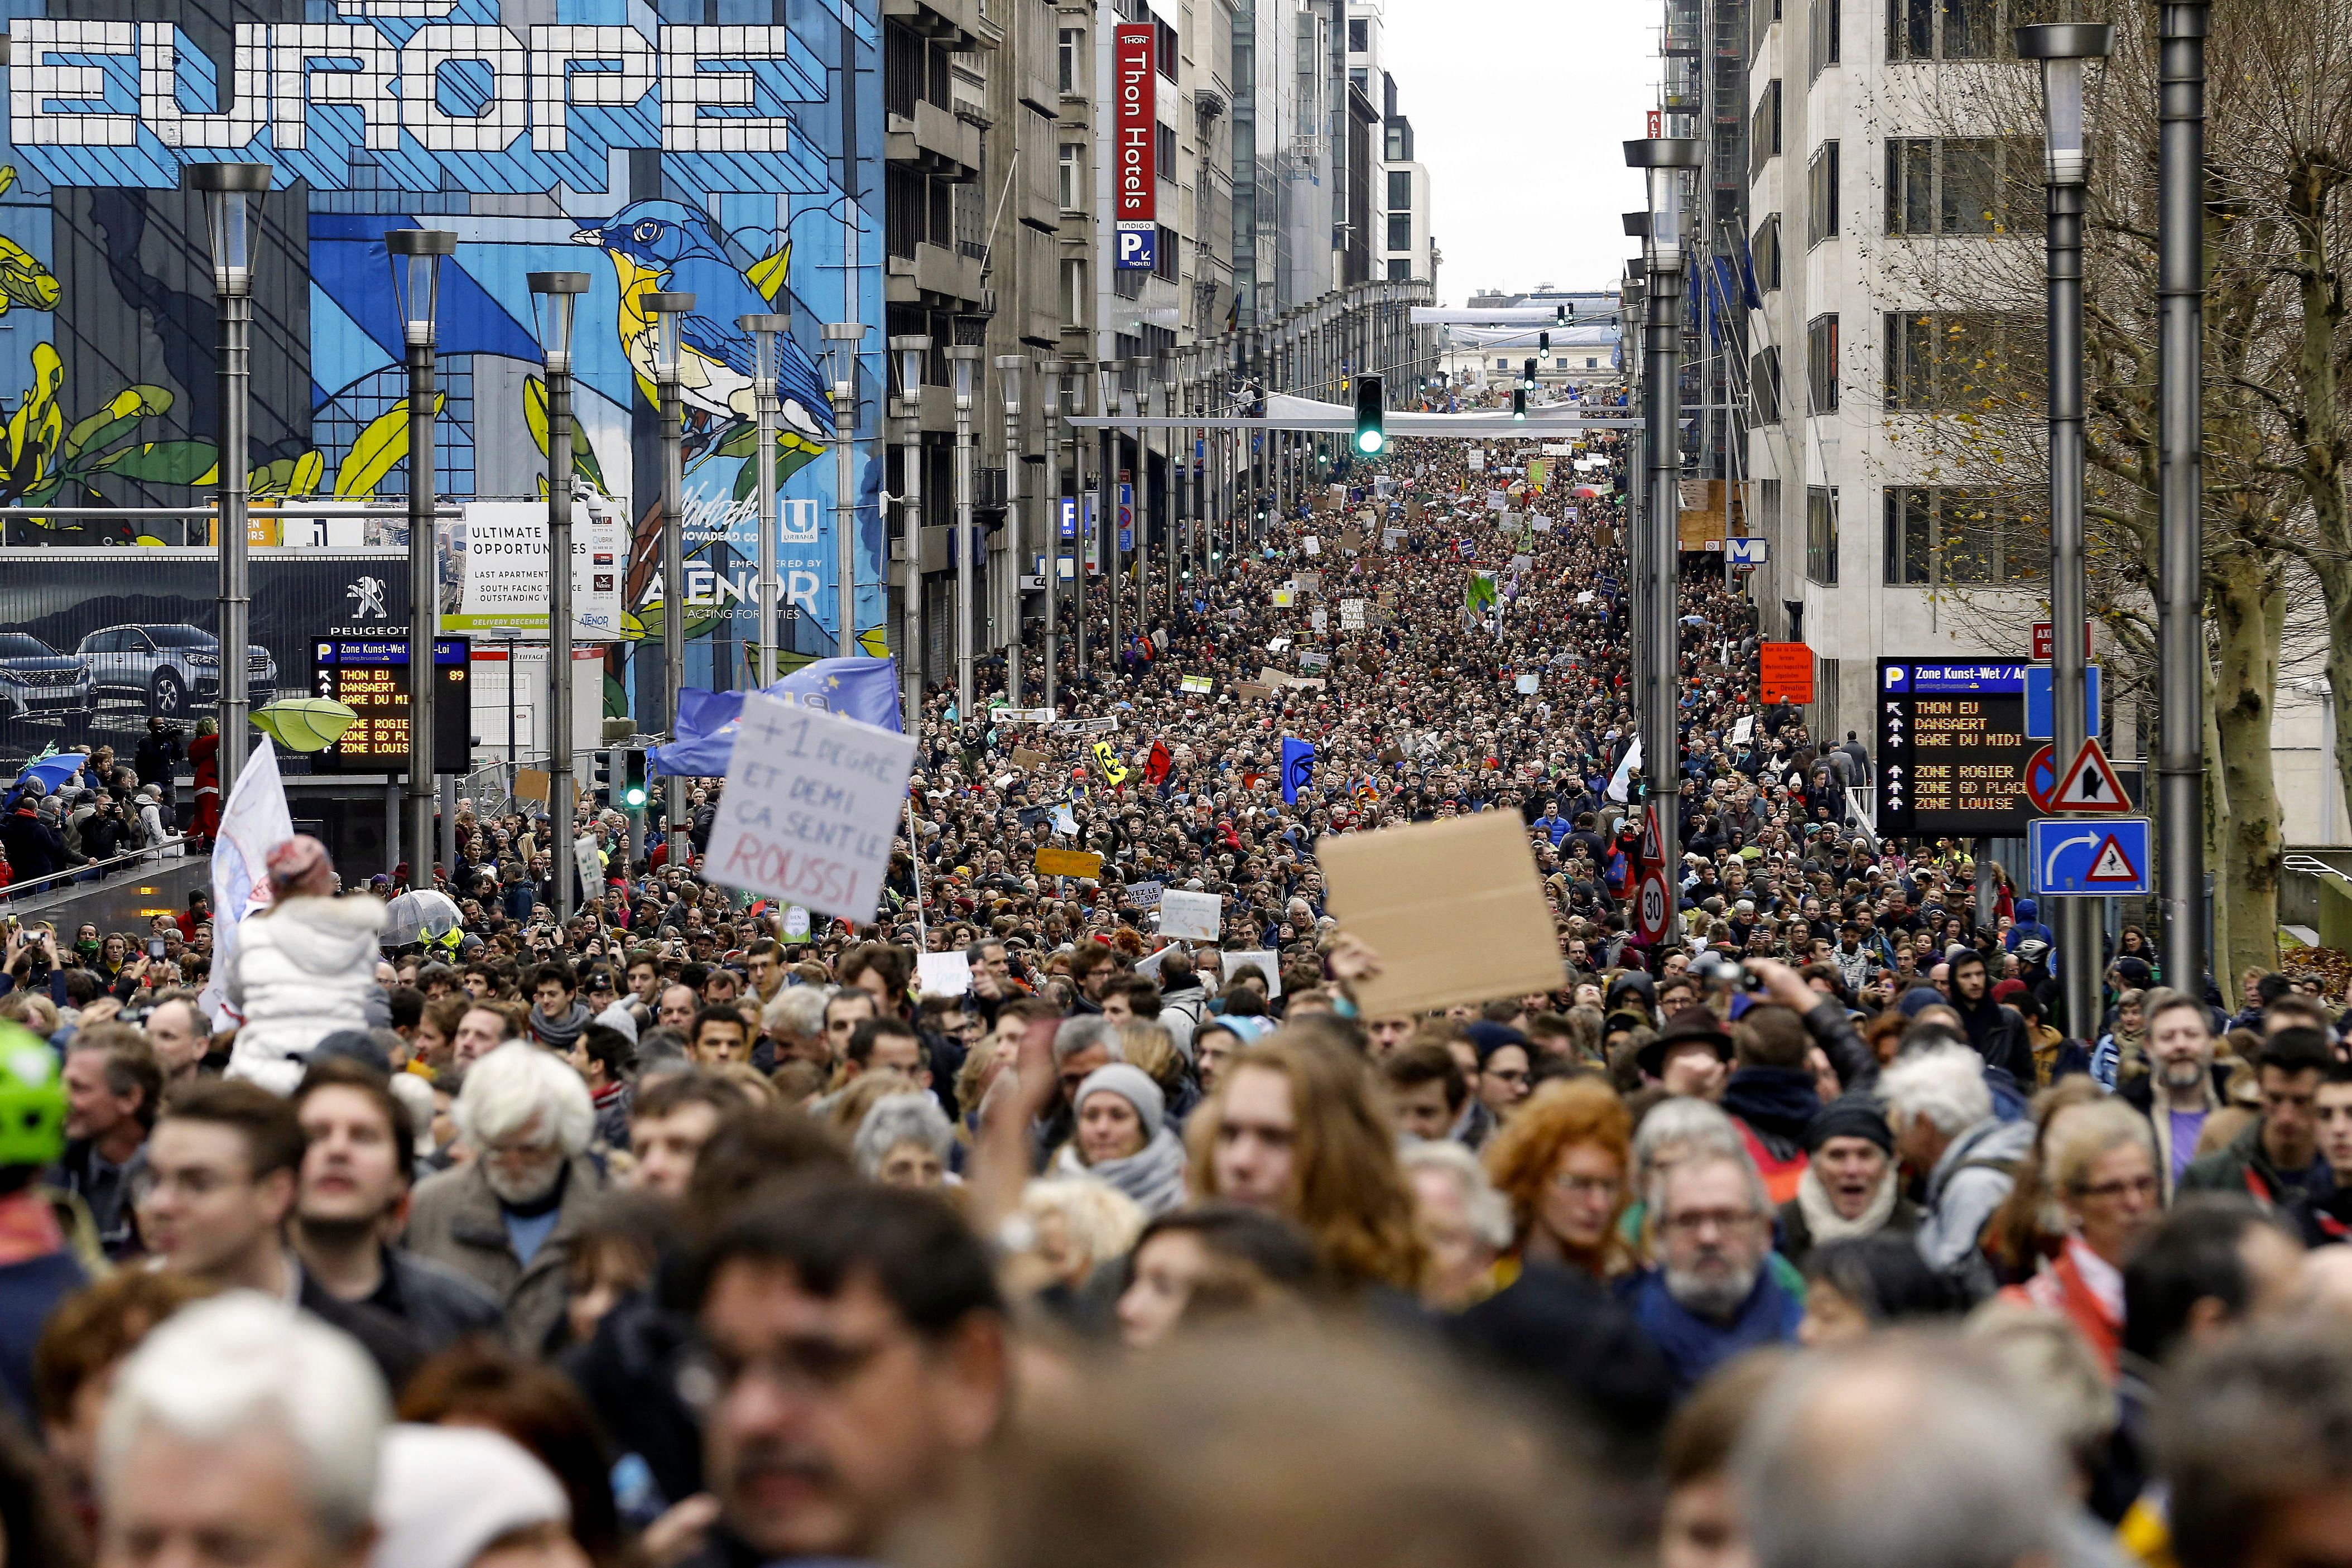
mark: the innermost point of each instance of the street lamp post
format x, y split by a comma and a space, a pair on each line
417, 255
669, 310
1663, 159
1010, 368
912, 349
2063, 48
2180, 483
1050, 372
841, 340
766, 405
1083, 377
232, 193
1107, 383
556, 298
1172, 398
964, 362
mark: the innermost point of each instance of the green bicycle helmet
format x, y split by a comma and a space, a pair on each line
32, 1099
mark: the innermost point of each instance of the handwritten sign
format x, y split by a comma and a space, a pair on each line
810, 803
1351, 615
1145, 895
1196, 917
1069, 863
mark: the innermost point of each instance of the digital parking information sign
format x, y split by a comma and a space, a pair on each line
1952, 751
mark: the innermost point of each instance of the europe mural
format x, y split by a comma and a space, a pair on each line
730, 148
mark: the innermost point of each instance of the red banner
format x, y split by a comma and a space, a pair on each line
1135, 125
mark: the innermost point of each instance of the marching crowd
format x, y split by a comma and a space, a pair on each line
1002, 1229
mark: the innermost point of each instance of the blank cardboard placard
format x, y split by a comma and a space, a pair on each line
1069, 863
1028, 761
1265, 960
1197, 917
943, 973
531, 784
1453, 908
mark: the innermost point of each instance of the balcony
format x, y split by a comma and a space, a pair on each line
935, 141
935, 276
958, 23
1678, 45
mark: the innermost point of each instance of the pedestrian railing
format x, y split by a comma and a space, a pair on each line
149, 855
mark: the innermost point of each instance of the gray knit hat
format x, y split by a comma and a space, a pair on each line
1131, 1084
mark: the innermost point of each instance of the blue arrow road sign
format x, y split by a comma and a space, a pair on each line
2039, 725
2087, 857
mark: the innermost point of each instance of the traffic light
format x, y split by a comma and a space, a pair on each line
633, 782
1371, 426
1543, 342
600, 774
1527, 376
1518, 403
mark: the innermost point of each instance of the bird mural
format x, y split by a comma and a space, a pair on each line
658, 246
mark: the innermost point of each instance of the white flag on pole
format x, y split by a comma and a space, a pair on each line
1618, 785
255, 821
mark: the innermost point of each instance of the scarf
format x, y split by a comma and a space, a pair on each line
1827, 1225
1153, 1175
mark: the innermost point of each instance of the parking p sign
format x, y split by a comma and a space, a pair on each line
1139, 249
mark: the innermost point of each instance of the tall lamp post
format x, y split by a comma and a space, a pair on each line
1172, 398
555, 296
1010, 368
2180, 483
912, 349
963, 360
1663, 159
417, 255
841, 340
766, 405
2063, 48
1049, 371
232, 193
669, 310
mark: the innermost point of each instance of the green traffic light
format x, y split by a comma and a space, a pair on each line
1370, 441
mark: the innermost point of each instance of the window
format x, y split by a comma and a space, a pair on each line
1072, 176
1073, 291
1761, 15
1764, 385
1958, 30
1822, 534
1400, 191
1764, 130
1951, 534
1822, 363
1560, 364
1396, 152
1401, 270
1502, 364
1943, 363
1824, 20
1361, 78
1360, 35
1163, 144
1164, 253
1821, 194
1767, 250
1073, 61
1400, 231
1592, 364
1168, 51
1962, 184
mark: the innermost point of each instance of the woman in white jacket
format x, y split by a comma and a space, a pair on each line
303, 968
152, 833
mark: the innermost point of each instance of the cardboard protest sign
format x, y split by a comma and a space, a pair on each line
810, 807
1069, 863
1197, 917
943, 973
1026, 760
1351, 615
1249, 689
1285, 597
530, 783
1268, 961
1144, 895
1455, 909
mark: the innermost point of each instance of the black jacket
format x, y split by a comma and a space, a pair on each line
1997, 1033
439, 1305
629, 1373
389, 1342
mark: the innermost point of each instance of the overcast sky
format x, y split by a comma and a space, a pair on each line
1518, 109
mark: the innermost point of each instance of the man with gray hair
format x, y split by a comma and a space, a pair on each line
241, 1424
503, 1219
1711, 1297
1940, 1112
1901, 1450
793, 1024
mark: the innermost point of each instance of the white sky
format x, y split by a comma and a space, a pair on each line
1518, 110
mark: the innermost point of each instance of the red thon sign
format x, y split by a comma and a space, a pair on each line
1135, 124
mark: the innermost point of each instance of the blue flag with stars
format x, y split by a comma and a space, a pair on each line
1297, 768
865, 690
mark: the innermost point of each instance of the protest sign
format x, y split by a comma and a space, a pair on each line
1198, 917
1528, 683
1069, 863
1267, 962
1321, 620
942, 973
1198, 684
1025, 758
1285, 597
1454, 908
1312, 546
1248, 689
810, 803
1351, 615
1144, 895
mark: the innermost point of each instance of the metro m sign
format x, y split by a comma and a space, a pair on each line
1134, 167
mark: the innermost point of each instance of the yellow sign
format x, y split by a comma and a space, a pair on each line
1069, 863
1109, 761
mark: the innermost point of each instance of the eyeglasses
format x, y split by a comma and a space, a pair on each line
2136, 1186
807, 1364
1587, 1186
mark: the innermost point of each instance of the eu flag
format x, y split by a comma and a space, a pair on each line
1297, 768
865, 690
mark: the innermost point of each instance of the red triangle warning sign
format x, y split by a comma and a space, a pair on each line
2091, 786
2111, 865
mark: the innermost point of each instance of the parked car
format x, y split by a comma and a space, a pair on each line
37, 681
169, 669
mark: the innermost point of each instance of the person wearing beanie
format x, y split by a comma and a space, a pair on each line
1122, 1137
303, 969
1849, 1187
450, 1497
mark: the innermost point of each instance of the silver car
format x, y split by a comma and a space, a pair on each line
169, 669
37, 681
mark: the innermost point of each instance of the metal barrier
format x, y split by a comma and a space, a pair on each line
1861, 802
56, 880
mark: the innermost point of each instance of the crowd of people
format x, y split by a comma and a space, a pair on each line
698, 1230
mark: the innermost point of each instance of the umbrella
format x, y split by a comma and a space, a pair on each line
1586, 493
417, 916
305, 723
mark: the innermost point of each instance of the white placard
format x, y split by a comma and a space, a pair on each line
797, 922
1478, 459
1285, 597
1312, 546
591, 864
1528, 684
942, 973
1319, 619
811, 805
1351, 615
1144, 895
1268, 962
1198, 917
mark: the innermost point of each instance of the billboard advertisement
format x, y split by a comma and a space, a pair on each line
740, 164
1135, 128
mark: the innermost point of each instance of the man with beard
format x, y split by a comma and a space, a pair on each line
505, 1219
1849, 1188
1711, 1297
2180, 1093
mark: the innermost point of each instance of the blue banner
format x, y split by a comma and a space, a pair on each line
865, 690
1297, 768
